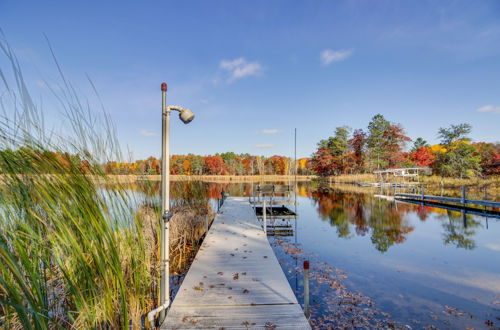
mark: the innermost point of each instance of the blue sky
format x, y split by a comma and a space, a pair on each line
252, 71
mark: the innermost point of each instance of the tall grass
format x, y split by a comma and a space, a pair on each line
72, 253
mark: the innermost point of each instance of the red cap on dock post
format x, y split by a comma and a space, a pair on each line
164, 87
306, 264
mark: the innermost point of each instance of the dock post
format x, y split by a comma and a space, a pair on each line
463, 194
306, 289
423, 192
264, 213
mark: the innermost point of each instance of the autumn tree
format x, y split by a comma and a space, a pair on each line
423, 156
490, 157
176, 164
357, 145
458, 157
303, 166
323, 162
215, 165
196, 164
394, 140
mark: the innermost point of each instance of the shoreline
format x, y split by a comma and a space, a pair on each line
126, 178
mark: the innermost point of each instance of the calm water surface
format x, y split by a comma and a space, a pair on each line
424, 266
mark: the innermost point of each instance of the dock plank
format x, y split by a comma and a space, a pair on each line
235, 281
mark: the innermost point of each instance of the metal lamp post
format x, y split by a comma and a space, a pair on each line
186, 116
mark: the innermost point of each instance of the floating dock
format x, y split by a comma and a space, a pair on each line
235, 281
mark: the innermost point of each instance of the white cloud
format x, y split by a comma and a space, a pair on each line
270, 131
493, 246
240, 68
329, 55
489, 108
264, 145
145, 132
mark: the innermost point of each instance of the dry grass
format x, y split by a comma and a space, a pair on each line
209, 178
187, 228
456, 182
350, 178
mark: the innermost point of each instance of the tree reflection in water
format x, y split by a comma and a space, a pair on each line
352, 211
459, 229
358, 214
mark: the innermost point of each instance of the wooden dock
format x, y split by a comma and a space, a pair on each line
235, 281
463, 200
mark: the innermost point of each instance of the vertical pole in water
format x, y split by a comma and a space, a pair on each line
306, 288
165, 198
423, 192
463, 194
206, 223
295, 154
264, 214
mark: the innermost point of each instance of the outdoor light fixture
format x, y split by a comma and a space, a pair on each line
185, 115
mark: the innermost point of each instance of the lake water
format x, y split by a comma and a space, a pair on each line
381, 263
397, 264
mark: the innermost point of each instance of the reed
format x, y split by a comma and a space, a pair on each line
74, 253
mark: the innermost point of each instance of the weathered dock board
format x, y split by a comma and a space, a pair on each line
235, 281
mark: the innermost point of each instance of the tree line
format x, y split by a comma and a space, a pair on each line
383, 145
228, 163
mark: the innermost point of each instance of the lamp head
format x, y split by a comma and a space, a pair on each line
186, 116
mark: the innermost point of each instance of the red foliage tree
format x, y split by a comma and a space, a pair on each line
423, 156
215, 165
357, 144
323, 162
186, 166
278, 164
394, 141
247, 165
490, 157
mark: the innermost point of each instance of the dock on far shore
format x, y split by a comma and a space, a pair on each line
235, 281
